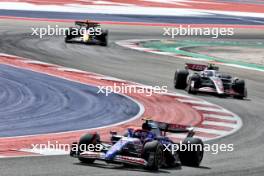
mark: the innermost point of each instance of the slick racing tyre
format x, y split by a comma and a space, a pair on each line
103, 38
170, 159
180, 79
83, 144
196, 81
153, 154
192, 157
68, 35
66, 40
239, 87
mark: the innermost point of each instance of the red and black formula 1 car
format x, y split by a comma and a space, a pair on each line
87, 32
148, 147
207, 78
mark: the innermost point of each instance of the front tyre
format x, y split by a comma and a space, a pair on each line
104, 41
193, 84
66, 40
240, 88
84, 143
153, 154
103, 38
170, 160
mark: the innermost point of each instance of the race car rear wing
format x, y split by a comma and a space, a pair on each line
87, 23
195, 67
200, 67
173, 128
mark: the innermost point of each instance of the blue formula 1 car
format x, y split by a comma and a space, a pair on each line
148, 147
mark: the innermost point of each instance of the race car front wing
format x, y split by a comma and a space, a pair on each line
116, 159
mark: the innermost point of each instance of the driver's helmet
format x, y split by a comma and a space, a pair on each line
146, 126
210, 66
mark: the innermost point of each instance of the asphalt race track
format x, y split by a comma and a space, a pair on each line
247, 157
25, 110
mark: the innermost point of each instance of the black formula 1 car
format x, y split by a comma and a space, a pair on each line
148, 147
207, 78
87, 32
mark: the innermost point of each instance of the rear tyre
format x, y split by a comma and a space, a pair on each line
153, 154
192, 157
180, 79
83, 145
68, 35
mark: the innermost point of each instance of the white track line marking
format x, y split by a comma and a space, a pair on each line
163, 53
176, 94
220, 117
46, 151
108, 78
202, 108
212, 131
143, 49
194, 102
182, 136
36, 62
70, 70
232, 125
